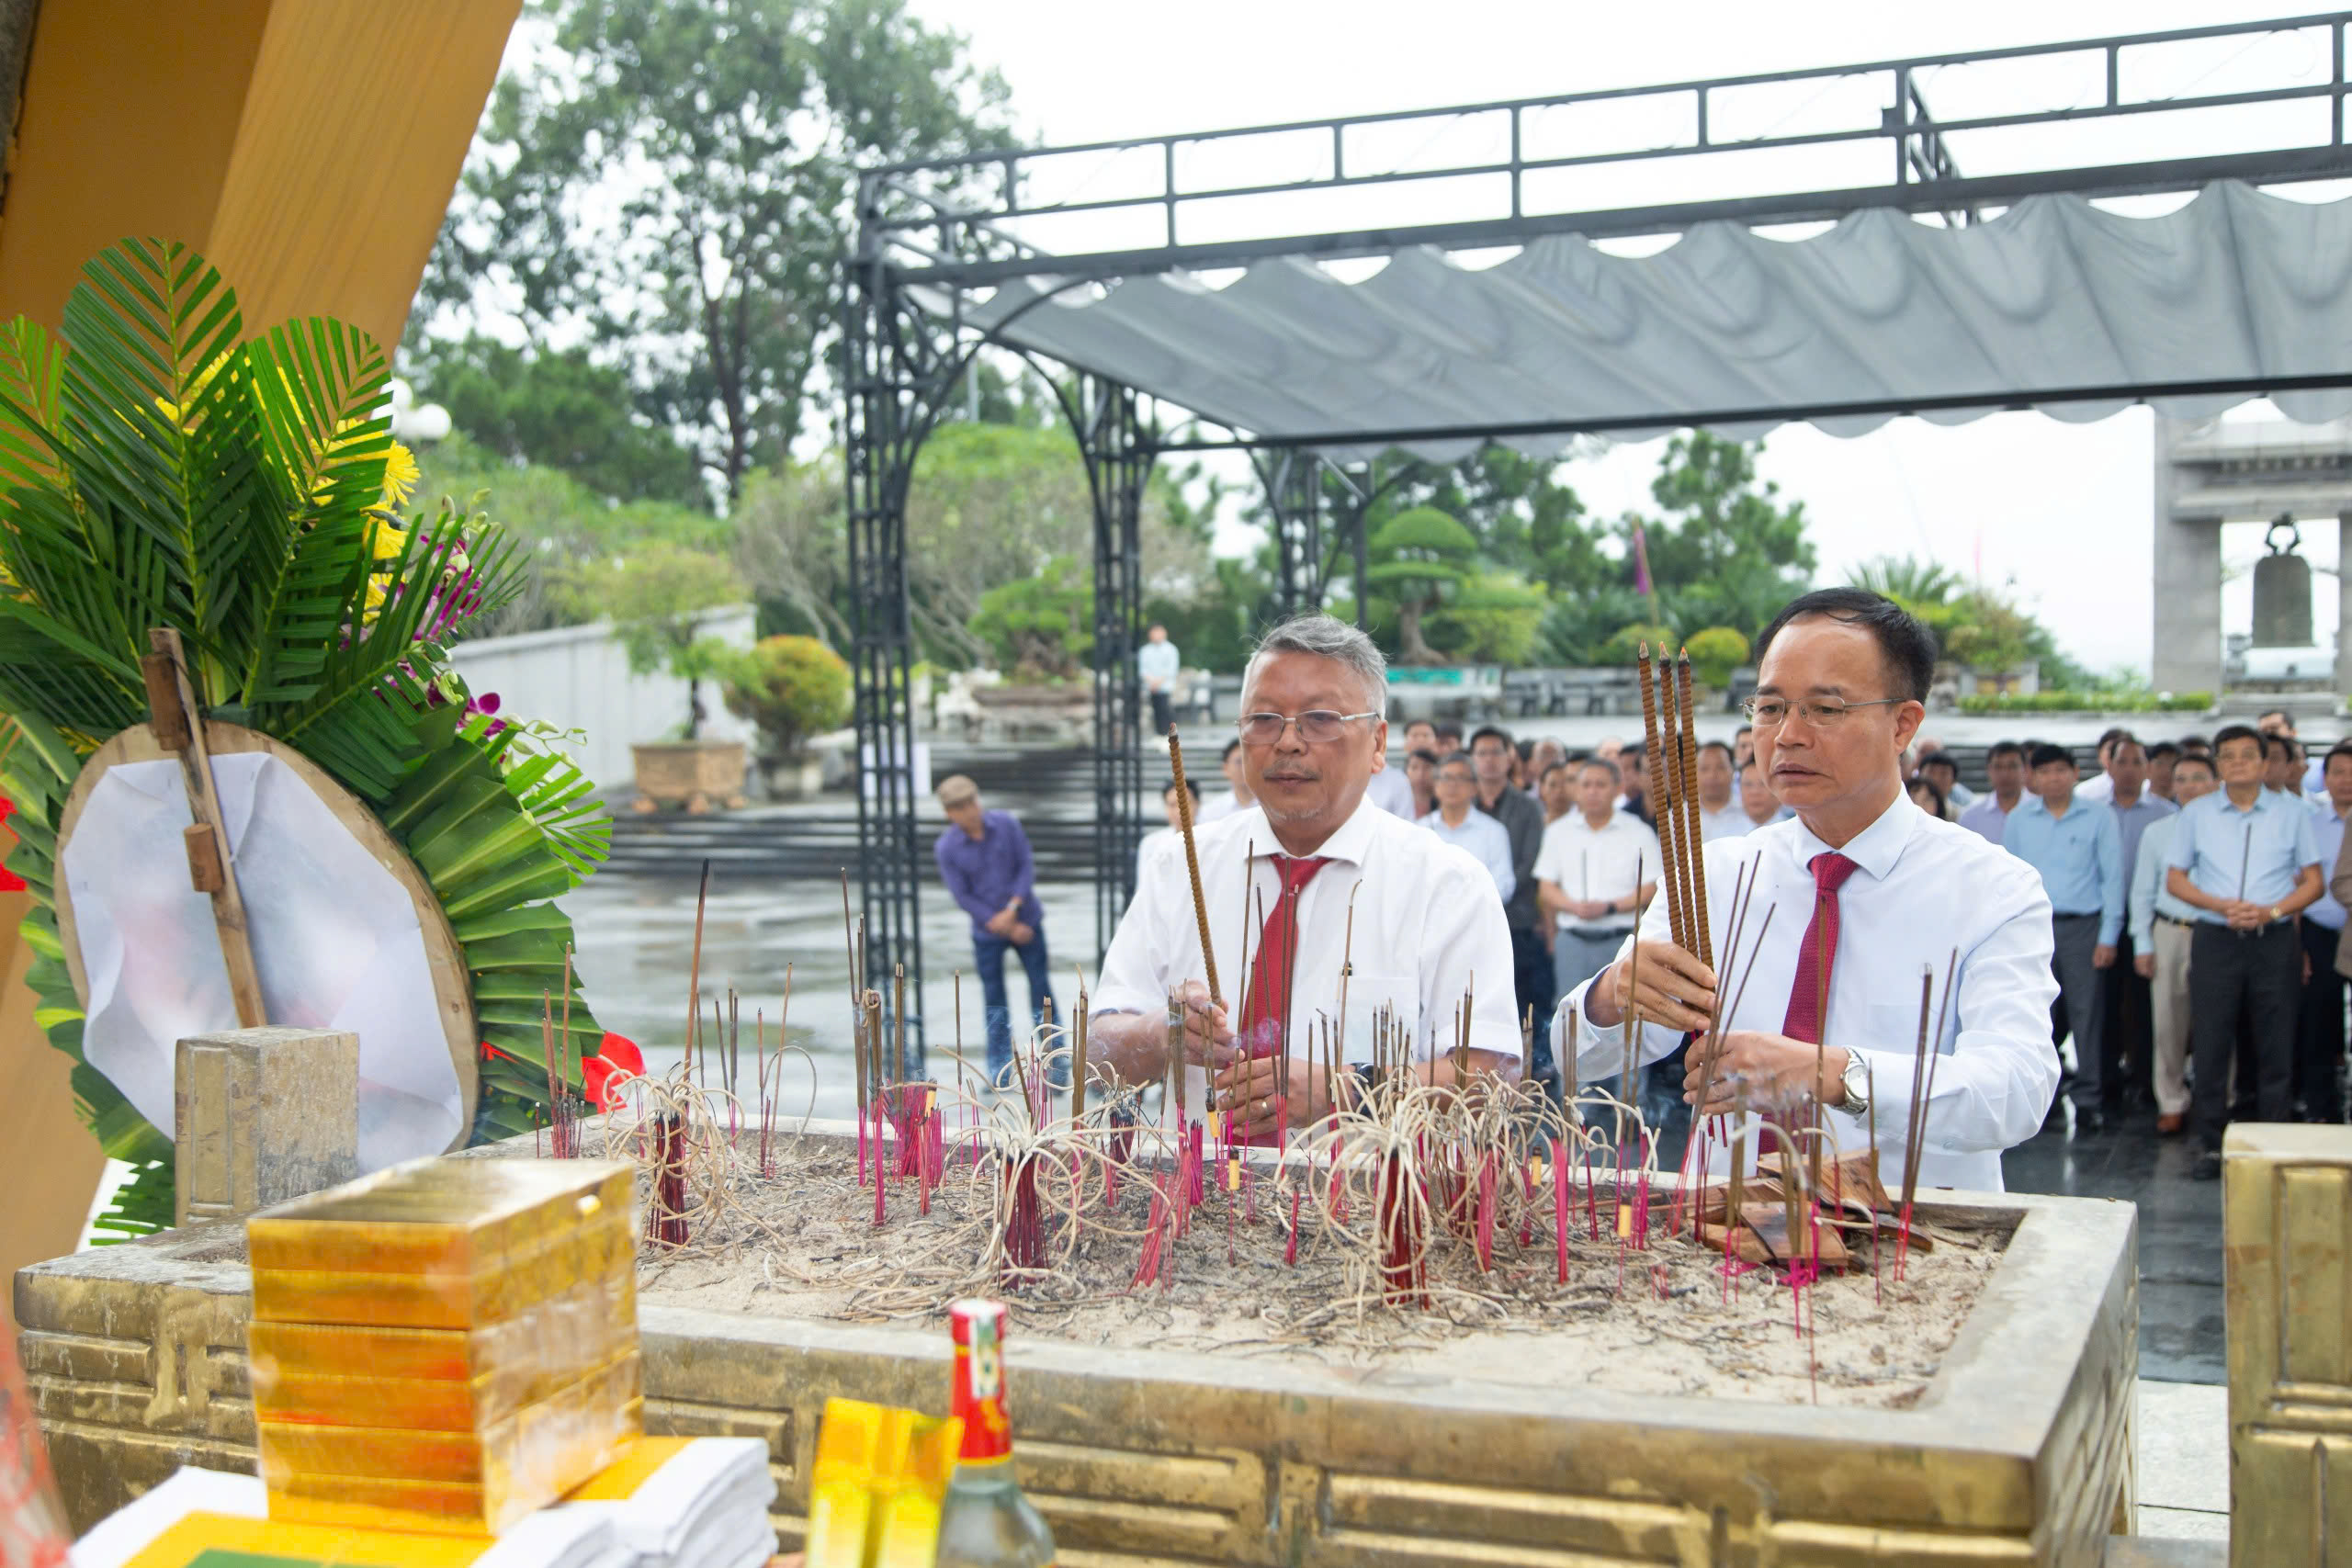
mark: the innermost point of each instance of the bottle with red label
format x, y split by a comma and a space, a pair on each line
986, 1522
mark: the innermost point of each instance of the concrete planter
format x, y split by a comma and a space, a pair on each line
696, 774
800, 777
2019, 1451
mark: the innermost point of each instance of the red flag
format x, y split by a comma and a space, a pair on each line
1641, 563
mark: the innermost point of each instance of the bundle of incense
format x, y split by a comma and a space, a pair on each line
1693, 840
1192, 862
1654, 752
1923, 1085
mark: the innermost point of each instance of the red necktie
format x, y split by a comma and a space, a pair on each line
1266, 1008
1818, 954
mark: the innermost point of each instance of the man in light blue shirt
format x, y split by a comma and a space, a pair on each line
2078, 849
1458, 821
1157, 662
2126, 1036
2319, 1035
2160, 925
2247, 859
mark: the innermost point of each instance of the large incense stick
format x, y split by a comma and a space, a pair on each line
1193, 862
1693, 839
1655, 751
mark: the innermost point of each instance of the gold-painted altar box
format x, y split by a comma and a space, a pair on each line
448, 1345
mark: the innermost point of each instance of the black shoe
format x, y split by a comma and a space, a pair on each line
2208, 1167
2088, 1123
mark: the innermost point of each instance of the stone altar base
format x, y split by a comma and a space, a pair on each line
2017, 1452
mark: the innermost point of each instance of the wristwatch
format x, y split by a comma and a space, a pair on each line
1857, 1081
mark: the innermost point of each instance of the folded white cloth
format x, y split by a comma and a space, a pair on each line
704, 1506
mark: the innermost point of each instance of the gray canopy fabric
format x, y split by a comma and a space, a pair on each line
2051, 295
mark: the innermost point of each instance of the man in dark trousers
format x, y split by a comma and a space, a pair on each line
984, 859
1492, 753
2247, 859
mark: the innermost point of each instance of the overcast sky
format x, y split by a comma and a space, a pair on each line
2062, 510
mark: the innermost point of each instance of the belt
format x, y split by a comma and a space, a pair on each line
2074, 915
2173, 920
1594, 934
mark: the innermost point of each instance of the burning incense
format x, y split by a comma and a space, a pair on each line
899, 1020
1193, 862
1079, 1022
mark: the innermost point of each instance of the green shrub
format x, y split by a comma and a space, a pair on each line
2090, 701
792, 687
1716, 653
1624, 644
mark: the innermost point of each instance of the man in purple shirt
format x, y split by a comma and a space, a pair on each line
984, 859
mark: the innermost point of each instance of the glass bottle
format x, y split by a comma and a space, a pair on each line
986, 1522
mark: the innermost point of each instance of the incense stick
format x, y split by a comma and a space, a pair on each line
693, 973
1654, 751
1694, 836
1193, 862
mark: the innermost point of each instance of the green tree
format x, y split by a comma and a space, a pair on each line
1730, 552
1419, 558
559, 409
1625, 645
1715, 652
1493, 618
1908, 580
675, 179
657, 596
1040, 626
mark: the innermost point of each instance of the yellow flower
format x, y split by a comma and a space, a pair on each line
399, 476
384, 541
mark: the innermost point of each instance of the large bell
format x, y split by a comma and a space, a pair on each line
2282, 590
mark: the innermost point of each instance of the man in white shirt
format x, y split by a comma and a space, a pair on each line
2161, 925
1156, 662
1322, 862
2319, 1037
1757, 801
1169, 840
1595, 869
2102, 788
1720, 816
1871, 892
1458, 820
1237, 798
2128, 1035
2004, 776
1391, 791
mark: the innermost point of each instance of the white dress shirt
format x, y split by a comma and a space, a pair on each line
1427, 928
2100, 786
2328, 828
1607, 864
1925, 888
1731, 822
1218, 808
1391, 791
1483, 836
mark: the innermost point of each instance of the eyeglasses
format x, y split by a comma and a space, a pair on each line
1771, 713
1316, 726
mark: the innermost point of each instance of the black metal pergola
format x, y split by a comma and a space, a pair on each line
936, 238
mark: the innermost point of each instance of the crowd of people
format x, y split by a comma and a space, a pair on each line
2197, 889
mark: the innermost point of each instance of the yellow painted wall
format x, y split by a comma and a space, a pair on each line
309, 148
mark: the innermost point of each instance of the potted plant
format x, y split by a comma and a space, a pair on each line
658, 596
792, 687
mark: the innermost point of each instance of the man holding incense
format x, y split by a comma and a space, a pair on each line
1855, 896
1351, 914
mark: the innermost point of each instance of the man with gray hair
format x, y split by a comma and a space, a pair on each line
1331, 882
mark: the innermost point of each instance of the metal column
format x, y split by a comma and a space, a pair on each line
1117, 445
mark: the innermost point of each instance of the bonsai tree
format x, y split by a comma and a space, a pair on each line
1715, 654
1040, 627
792, 687
1420, 557
657, 596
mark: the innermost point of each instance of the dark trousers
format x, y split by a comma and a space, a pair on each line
2072, 939
987, 957
2262, 971
1159, 717
2318, 1033
1532, 984
2127, 1039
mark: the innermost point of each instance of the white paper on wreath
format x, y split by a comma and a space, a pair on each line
335, 938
